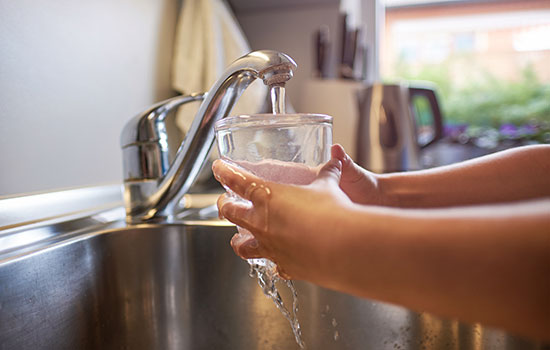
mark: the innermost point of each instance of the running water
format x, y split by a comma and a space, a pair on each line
265, 270
277, 93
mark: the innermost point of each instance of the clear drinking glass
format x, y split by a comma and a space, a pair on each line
284, 148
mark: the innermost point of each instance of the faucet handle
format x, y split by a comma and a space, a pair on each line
144, 138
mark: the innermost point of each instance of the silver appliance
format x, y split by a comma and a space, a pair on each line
395, 122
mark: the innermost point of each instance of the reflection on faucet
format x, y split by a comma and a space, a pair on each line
152, 186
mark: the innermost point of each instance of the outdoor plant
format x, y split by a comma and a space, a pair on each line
488, 106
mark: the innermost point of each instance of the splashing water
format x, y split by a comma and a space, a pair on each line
266, 271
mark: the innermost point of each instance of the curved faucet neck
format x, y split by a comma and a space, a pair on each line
160, 199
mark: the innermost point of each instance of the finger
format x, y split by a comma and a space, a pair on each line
351, 172
243, 213
331, 171
283, 274
338, 152
240, 181
245, 246
234, 209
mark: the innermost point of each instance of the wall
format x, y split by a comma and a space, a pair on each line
289, 29
71, 74
289, 26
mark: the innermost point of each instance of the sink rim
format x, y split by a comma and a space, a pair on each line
32, 223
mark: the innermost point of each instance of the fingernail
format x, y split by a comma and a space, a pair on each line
221, 204
220, 212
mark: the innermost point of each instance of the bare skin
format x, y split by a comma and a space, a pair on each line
469, 241
517, 174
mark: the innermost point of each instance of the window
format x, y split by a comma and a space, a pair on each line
489, 59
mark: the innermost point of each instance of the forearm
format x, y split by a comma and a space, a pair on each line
512, 175
474, 265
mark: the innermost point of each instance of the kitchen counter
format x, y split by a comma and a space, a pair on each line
446, 152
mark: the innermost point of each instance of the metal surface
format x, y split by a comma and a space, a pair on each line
144, 140
182, 287
36, 207
387, 138
153, 186
34, 222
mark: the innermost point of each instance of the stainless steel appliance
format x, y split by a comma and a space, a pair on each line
395, 122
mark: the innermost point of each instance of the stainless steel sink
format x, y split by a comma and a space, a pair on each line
112, 286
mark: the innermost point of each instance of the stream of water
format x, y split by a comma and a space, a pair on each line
264, 269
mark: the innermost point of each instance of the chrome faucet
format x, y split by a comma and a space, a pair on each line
153, 188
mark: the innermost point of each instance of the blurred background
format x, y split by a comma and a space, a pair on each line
489, 59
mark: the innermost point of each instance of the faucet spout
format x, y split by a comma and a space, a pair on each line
159, 199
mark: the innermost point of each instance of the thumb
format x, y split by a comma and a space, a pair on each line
351, 172
331, 171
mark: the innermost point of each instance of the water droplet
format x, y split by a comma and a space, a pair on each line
238, 173
254, 187
252, 271
334, 323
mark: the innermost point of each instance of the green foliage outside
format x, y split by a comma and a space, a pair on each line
514, 109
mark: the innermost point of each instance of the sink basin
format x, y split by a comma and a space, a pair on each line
181, 287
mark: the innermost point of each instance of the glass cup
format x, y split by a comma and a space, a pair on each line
283, 148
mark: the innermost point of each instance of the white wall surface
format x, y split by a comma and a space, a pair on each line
71, 74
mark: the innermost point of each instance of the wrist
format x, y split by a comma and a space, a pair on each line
387, 190
400, 190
